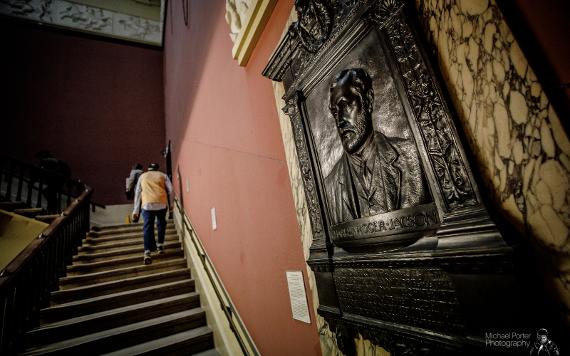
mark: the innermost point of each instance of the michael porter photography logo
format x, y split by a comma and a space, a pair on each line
521, 342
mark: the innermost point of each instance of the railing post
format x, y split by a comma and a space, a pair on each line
9, 169
20, 182
40, 192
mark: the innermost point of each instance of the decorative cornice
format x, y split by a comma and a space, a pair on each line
252, 27
85, 18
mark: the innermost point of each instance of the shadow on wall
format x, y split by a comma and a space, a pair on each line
189, 57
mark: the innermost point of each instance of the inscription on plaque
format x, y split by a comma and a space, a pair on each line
422, 297
419, 218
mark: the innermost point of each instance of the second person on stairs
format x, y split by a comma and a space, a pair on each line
153, 195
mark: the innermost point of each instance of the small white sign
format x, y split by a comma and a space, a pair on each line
298, 297
214, 222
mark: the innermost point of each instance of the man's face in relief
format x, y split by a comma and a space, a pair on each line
350, 110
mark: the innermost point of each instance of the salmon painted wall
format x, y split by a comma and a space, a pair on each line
227, 145
94, 103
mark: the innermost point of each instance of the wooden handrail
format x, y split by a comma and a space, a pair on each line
25, 284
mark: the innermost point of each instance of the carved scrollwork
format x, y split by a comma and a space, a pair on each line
434, 123
292, 109
314, 25
383, 10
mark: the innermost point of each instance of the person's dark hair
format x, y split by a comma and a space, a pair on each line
357, 78
138, 166
153, 167
542, 332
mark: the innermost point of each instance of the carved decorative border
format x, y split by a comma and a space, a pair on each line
433, 120
313, 205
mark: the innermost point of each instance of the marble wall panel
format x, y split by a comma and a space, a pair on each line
521, 148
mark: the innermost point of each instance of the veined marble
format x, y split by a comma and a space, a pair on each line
522, 150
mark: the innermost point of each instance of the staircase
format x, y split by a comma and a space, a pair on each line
111, 303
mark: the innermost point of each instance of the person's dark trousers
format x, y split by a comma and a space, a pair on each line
148, 227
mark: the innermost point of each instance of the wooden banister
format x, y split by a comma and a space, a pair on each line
26, 282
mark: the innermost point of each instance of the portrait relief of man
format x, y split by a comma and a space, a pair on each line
376, 173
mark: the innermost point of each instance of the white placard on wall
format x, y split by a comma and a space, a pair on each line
214, 220
298, 297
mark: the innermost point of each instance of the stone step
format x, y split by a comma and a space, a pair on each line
93, 290
125, 252
119, 244
125, 336
190, 342
115, 226
110, 317
118, 262
96, 241
126, 230
89, 305
169, 222
121, 273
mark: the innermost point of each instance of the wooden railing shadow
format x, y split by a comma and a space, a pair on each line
26, 282
37, 187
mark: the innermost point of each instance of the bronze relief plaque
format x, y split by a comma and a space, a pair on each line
399, 228
374, 183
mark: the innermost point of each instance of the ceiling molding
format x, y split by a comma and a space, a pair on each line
86, 18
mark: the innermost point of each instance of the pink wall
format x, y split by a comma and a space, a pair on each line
226, 138
94, 103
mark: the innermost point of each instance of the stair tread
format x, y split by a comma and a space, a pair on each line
139, 270
130, 280
166, 341
133, 254
125, 251
111, 240
115, 226
110, 332
120, 244
119, 310
125, 232
107, 297
122, 270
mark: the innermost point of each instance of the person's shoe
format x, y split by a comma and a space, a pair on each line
160, 248
147, 259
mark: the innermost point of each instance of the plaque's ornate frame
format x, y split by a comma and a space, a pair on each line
431, 290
